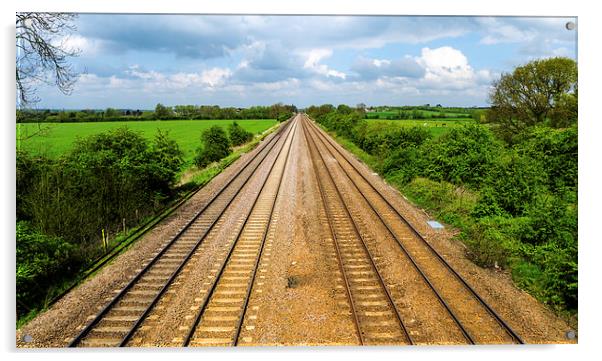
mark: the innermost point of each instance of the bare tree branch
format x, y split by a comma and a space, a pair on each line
42, 55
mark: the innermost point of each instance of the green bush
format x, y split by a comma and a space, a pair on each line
404, 164
41, 261
216, 146
284, 117
105, 178
488, 246
167, 160
462, 155
238, 134
556, 150
510, 185
550, 273
384, 139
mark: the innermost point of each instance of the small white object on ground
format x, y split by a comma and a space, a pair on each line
435, 225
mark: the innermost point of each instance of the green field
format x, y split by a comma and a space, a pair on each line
54, 139
436, 127
395, 114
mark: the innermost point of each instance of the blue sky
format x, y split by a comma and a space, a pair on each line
137, 61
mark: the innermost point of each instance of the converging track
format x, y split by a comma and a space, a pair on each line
299, 244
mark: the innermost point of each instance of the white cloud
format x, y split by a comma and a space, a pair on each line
215, 76
448, 68
312, 63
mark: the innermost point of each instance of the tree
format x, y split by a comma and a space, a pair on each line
111, 113
533, 94
162, 112
42, 53
344, 109
216, 146
238, 134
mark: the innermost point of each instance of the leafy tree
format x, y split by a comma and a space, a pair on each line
110, 113
216, 146
532, 94
163, 112
238, 134
168, 159
344, 109
40, 57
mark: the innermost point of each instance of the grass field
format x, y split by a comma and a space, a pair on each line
55, 139
436, 127
426, 113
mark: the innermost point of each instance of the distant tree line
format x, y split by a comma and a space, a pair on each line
162, 112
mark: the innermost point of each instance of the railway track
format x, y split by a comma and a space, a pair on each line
472, 315
377, 319
122, 316
220, 317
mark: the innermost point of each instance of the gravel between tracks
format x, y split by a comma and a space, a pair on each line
298, 305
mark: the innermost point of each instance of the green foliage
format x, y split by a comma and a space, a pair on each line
556, 150
511, 185
163, 112
448, 202
41, 261
532, 94
105, 178
110, 112
168, 159
317, 112
284, 117
216, 146
463, 155
343, 123
238, 135
383, 139
404, 164
488, 241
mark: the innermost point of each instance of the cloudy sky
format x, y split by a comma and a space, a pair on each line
136, 61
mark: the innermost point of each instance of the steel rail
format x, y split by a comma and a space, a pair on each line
84, 332
463, 330
361, 238
487, 307
187, 258
338, 253
215, 281
263, 239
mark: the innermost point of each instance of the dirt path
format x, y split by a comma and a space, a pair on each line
304, 288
